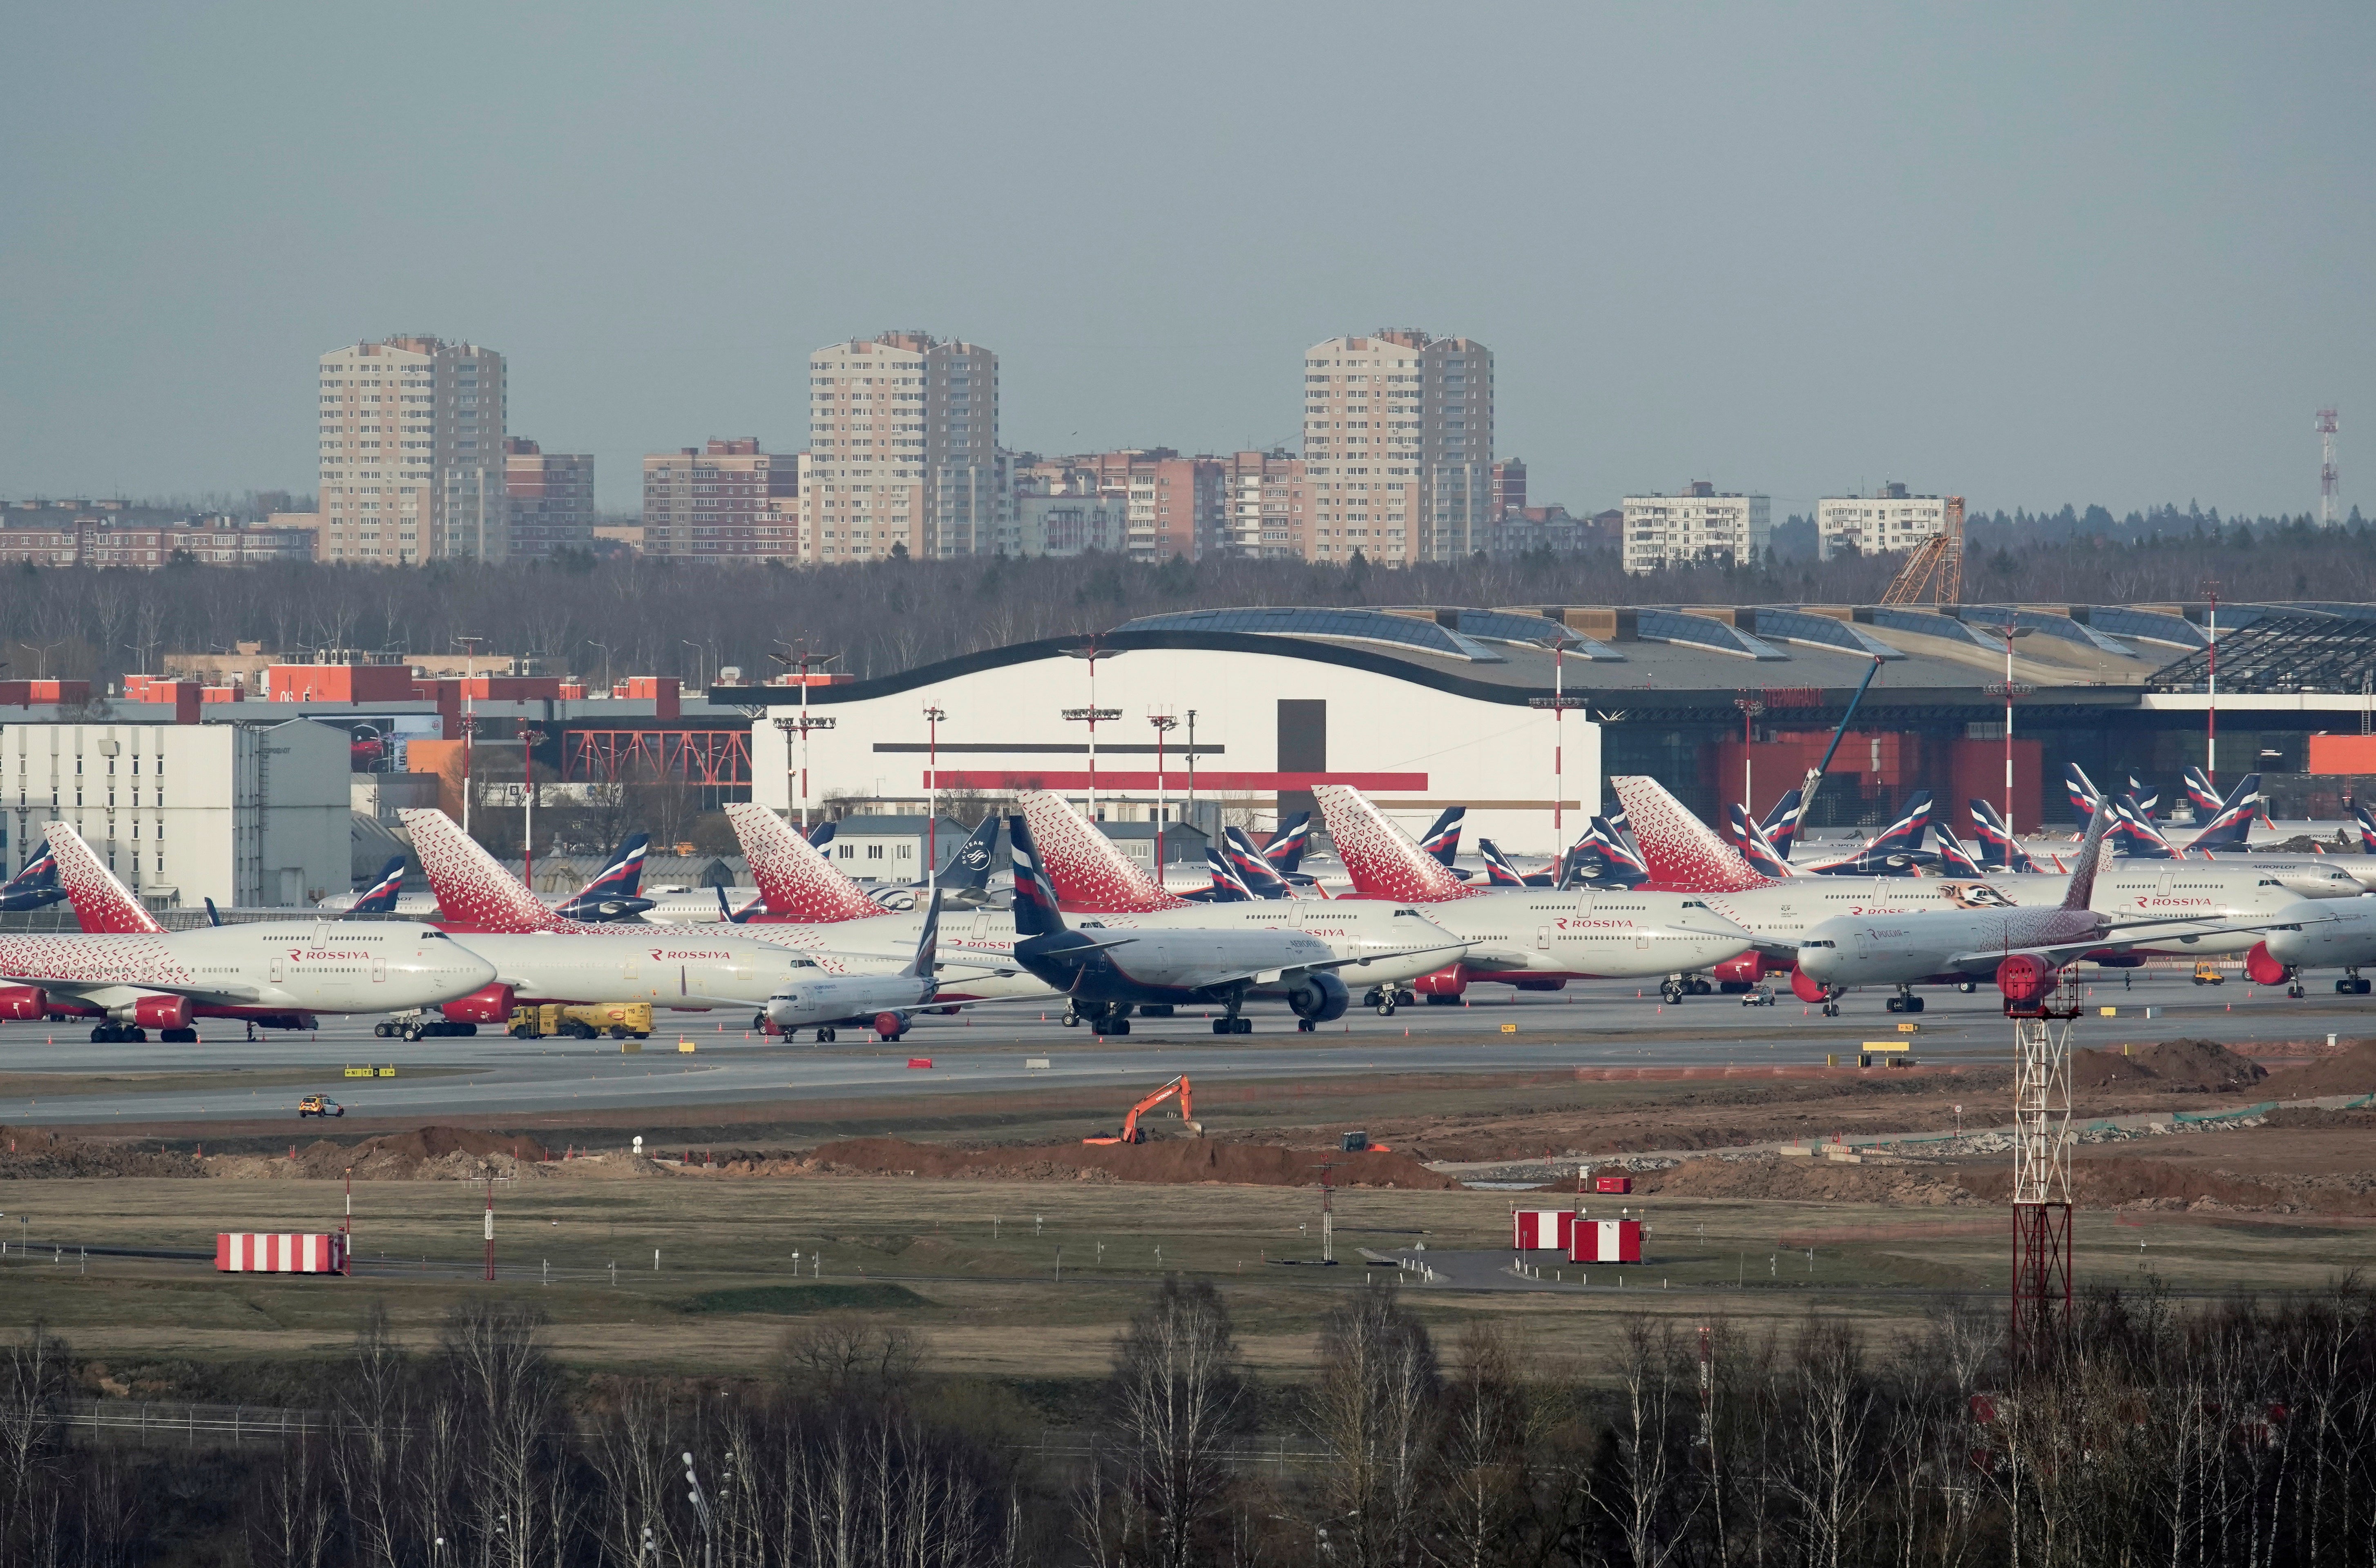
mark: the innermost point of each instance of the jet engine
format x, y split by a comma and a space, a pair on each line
162, 1012
2266, 967
24, 1001
488, 1004
2026, 980
1748, 969
1450, 981
1319, 997
1806, 987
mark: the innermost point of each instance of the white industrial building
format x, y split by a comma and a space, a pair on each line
250, 815
1870, 525
1420, 710
1699, 527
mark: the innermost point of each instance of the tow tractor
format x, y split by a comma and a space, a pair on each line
1132, 1133
420, 1023
2207, 973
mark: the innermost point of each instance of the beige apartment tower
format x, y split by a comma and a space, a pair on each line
1397, 448
903, 451
412, 453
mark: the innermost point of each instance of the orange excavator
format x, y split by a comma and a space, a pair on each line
1132, 1133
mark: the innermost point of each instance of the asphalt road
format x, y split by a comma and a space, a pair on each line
53, 1073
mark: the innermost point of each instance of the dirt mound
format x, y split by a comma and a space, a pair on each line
425, 1154
1808, 1180
1172, 1160
2351, 1070
2188, 1066
34, 1154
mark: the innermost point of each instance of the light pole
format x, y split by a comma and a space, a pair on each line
2211, 711
1559, 702
932, 716
1192, 769
2010, 691
469, 722
804, 723
700, 663
1751, 706
606, 663
1164, 724
701, 1511
1091, 714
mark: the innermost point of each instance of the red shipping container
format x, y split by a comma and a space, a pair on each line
282, 1253
1607, 1241
1613, 1183
1542, 1229
662, 691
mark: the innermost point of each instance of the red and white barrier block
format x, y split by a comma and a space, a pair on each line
284, 1253
1542, 1229
1607, 1241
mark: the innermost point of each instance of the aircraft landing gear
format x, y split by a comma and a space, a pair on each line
1303, 1026
2351, 984
1968, 987
824, 1037
2294, 989
1905, 1000
1072, 1017
178, 1036
1672, 989
1230, 1023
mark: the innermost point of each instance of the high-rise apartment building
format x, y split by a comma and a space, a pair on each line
1261, 492
412, 453
551, 496
1397, 446
1872, 524
903, 451
723, 500
1697, 528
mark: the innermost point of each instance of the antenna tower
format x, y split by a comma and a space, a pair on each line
2325, 426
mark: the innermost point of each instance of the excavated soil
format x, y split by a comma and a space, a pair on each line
2189, 1066
425, 1154
2351, 1070
29, 1154
1173, 1162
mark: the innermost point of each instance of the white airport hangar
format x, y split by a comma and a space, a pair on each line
1420, 709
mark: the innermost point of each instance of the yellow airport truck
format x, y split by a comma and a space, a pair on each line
620, 1020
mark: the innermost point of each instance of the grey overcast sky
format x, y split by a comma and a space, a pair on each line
2084, 253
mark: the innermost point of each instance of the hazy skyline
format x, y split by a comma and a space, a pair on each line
2110, 254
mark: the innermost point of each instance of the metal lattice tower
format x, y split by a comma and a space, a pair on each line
2041, 1177
2327, 478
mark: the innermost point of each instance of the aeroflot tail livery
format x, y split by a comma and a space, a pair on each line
36, 886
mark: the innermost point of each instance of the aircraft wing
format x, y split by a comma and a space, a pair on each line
111, 994
2058, 952
1273, 977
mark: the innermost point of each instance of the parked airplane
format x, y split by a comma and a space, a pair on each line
1535, 939
2343, 938
1685, 855
1607, 856
2202, 794
1755, 847
515, 931
2024, 948
610, 894
1443, 840
1107, 975
886, 1002
34, 888
1287, 846
381, 897
1255, 869
1227, 886
2000, 851
133, 975
1895, 850
1953, 859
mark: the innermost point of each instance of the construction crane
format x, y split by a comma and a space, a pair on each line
1132, 1133
1941, 557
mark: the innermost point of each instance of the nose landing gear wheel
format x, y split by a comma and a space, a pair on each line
1305, 1026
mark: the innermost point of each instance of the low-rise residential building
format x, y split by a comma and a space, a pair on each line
1888, 520
102, 541
1699, 527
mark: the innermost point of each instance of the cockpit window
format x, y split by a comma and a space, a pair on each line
1819, 944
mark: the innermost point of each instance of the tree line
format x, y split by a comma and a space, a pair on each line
644, 616
2241, 1432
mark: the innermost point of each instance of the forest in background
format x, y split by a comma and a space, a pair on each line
651, 616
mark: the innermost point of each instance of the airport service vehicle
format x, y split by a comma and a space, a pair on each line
132, 975
2333, 934
540, 957
2023, 948
319, 1105
1132, 1133
620, 1020
1106, 972
1682, 854
1535, 939
886, 1002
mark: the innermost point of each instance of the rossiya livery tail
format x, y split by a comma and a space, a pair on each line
1082, 865
2082, 891
795, 881
102, 905
475, 893
1683, 854
1380, 858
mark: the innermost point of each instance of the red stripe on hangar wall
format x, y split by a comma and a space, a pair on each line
1175, 777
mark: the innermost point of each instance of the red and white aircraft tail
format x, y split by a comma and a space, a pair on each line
104, 905
1383, 861
795, 881
475, 891
1090, 875
1683, 853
